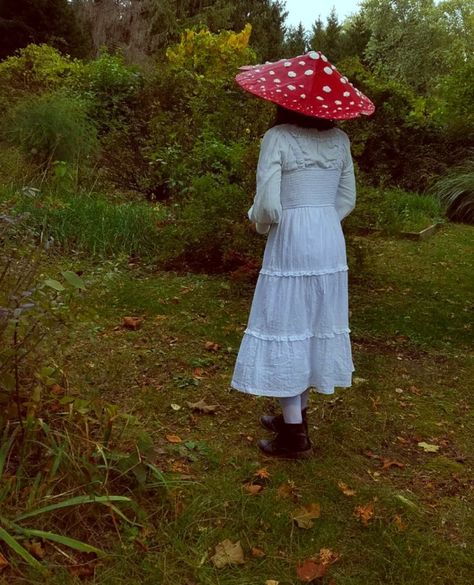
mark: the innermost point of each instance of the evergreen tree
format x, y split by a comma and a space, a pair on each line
295, 41
40, 21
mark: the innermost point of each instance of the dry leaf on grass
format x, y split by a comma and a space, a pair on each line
211, 346
201, 406
427, 448
310, 570
262, 473
345, 489
288, 490
365, 513
57, 390
389, 463
304, 516
35, 548
252, 488
258, 552
3, 563
228, 553
328, 556
132, 323
398, 522
272, 582
174, 439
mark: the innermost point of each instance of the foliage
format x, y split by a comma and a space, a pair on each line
51, 127
40, 21
455, 190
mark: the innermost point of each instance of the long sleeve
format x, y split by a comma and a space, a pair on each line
266, 208
346, 191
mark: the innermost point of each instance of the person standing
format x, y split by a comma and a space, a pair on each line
297, 337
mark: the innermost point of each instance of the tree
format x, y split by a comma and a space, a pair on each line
295, 41
328, 38
409, 40
40, 21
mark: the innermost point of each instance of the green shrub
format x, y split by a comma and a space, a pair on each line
50, 127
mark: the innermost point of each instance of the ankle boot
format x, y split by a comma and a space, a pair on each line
291, 442
274, 423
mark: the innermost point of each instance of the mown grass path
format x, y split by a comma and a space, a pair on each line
411, 320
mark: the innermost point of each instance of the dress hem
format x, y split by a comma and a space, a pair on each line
294, 392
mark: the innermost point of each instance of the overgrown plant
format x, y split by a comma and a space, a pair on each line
456, 192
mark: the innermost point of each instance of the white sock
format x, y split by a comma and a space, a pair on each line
291, 407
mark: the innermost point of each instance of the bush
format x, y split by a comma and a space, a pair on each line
50, 127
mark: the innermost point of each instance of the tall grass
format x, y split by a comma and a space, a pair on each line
456, 192
92, 225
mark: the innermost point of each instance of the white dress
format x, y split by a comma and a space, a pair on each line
298, 334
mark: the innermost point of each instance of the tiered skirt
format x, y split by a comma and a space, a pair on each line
298, 335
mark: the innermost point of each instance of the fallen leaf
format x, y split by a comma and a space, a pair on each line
36, 549
173, 439
415, 390
345, 489
310, 570
201, 406
262, 473
180, 467
3, 563
398, 523
133, 323
175, 406
228, 553
328, 556
359, 380
288, 490
365, 513
258, 552
57, 390
252, 488
198, 373
388, 463
272, 582
305, 515
211, 346
427, 448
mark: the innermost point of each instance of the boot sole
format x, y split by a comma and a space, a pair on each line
289, 456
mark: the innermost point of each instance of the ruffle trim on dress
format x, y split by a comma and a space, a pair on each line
302, 337
268, 272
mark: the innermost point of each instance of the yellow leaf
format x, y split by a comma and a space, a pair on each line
347, 491
365, 513
427, 448
3, 563
262, 473
252, 488
174, 439
304, 516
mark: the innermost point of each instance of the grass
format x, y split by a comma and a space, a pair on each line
89, 224
394, 211
412, 339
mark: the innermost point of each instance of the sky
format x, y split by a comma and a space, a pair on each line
307, 11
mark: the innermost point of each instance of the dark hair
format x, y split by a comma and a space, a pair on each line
284, 116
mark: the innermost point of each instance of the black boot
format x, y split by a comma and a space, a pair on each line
291, 442
275, 423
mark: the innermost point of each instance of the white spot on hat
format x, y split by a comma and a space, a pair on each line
313, 55
327, 89
339, 108
291, 74
346, 94
318, 97
292, 87
303, 96
351, 103
287, 63
328, 70
276, 80
278, 90
344, 79
309, 72
338, 102
301, 62
272, 72
323, 57
325, 106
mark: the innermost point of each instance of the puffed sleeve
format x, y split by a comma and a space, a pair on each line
266, 208
346, 191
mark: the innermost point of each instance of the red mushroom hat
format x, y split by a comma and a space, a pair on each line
307, 84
